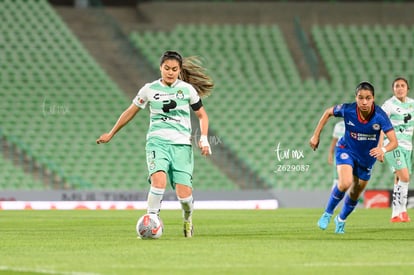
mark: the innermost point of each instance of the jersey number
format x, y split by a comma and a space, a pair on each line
168, 105
407, 117
396, 153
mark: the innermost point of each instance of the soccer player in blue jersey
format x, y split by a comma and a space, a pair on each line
356, 151
169, 152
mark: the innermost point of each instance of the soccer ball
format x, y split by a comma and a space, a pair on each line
150, 226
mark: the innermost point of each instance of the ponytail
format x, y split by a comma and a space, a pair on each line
193, 73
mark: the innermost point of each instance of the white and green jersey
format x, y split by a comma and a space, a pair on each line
401, 115
339, 130
170, 120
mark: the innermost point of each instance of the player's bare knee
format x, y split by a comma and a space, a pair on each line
159, 180
183, 191
404, 177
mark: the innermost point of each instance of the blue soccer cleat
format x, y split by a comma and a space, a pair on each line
340, 226
324, 220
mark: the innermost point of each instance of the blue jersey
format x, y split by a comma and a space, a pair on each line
362, 135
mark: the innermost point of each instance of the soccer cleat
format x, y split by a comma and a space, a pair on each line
188, 229
324, 220
340, 226
404, 217
395, 219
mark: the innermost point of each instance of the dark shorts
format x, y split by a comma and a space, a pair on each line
346, 156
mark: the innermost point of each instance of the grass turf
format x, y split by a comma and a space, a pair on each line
283, 241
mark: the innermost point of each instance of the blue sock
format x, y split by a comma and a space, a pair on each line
334, 199
349, 206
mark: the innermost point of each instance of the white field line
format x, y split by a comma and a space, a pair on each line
361, 264
41, 270
287, 265
315, 265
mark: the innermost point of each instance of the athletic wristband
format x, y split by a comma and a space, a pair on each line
384, 150
204, 142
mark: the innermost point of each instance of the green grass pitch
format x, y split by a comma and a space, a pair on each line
283, 241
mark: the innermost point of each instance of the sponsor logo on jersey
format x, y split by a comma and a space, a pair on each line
167, 118
140, 100
344, 156
363, 137
338, 107
158, 96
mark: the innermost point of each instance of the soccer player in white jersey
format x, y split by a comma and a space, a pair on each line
400, 109
168, 146
338, 132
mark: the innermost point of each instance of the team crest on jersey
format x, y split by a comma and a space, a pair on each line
140, 100
152, 165
376, 126
399, 162
179, 94
344, 156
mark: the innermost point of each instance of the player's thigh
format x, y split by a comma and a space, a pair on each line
182, 167
345, 176
157, 159
397, 159
344, 165
408, 160
400, 163
183, 160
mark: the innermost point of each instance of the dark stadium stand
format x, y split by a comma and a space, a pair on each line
57, 99
251, 65
253, 71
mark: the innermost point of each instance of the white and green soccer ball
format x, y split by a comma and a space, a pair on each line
149, 226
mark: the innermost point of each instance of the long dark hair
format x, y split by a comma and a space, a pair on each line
192, 72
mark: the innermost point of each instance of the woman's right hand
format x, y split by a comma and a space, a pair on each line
104, 138
314, 142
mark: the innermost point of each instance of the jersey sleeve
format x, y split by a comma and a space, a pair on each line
141, 99
194, 97
387, 107
338, 110
339, 130
386, 122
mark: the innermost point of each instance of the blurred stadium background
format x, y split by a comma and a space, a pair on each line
69, 68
